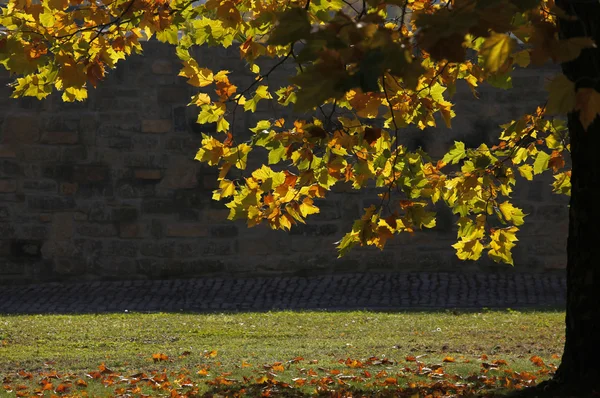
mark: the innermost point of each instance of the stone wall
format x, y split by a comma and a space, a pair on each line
108, 189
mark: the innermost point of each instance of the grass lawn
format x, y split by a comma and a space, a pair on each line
278, 353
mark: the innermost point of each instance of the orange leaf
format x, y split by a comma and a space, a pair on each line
159, 357
203, 372
62, 388
81, 383
448, 359
537, 361
210, 354
262, 380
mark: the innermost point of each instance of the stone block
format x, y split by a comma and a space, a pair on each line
171, 249
115, 266
21, 129
50, 203
39, 185
210, 182
187, 230
99, 212
60, 137
131, 230
198, 267
68, 188
74, 154
157, 126
146, 142
552, 212
124, 248
32, 231
80, 173
148, 174
145, 160
217, 248
62, 226
181, 174
224, 231
162, 67
10, 267
124, 214
5, 247
314, 229
159, 206
9, 168
7, 151
26, 248
40, 153
215, 216
69, 266
97, 230
7, 186
184, 144
169, 95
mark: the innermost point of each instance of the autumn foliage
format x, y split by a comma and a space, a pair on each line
364, 71
373, 376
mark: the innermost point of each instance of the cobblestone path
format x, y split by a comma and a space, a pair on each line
390, 291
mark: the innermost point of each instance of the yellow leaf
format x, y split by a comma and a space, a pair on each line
203, 372
588, 105
307, 207
468, 249
511, 213
200, 99
226, 189
495, 51
74, 94
501, 243
197, 77
526, 171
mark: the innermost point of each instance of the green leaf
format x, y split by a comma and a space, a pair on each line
170, 35
260, 94
541, 162
276, 153
456, 153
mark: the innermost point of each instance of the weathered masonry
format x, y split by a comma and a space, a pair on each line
108, 189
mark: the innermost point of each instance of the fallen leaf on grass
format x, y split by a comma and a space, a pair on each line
159, 357
537, 361
210, 354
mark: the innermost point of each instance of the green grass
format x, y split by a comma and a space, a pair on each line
74, 345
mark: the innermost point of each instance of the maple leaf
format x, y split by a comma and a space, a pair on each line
496, 51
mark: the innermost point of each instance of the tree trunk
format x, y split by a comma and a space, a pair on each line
579, 370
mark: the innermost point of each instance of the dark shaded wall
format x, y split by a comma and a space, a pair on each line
108, 189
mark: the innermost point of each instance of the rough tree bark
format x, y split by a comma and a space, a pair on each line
579, 371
